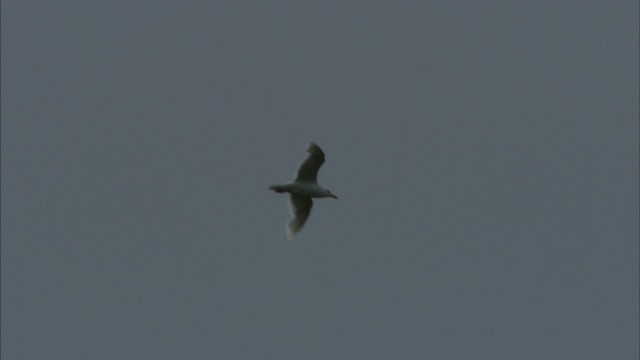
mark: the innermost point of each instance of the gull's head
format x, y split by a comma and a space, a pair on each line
331, 195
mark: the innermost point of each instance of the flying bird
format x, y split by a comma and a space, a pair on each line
303, 188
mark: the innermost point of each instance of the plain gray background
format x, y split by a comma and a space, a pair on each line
485, 154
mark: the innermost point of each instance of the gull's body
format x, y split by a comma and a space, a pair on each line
304, 188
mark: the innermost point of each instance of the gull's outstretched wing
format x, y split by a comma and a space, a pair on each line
300, 207
308, 170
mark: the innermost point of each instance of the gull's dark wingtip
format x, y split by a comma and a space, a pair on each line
314, 149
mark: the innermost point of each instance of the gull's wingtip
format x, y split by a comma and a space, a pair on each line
313, 148
290, 232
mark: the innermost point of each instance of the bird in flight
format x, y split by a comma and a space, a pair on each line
303, 188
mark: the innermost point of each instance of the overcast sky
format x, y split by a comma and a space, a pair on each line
485, 154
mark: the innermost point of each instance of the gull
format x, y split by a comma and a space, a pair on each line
303, 188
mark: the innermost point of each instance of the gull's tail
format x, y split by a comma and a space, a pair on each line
277, 188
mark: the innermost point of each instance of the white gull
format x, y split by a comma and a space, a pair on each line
303, 188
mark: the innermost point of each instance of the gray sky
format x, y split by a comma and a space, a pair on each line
485, 155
